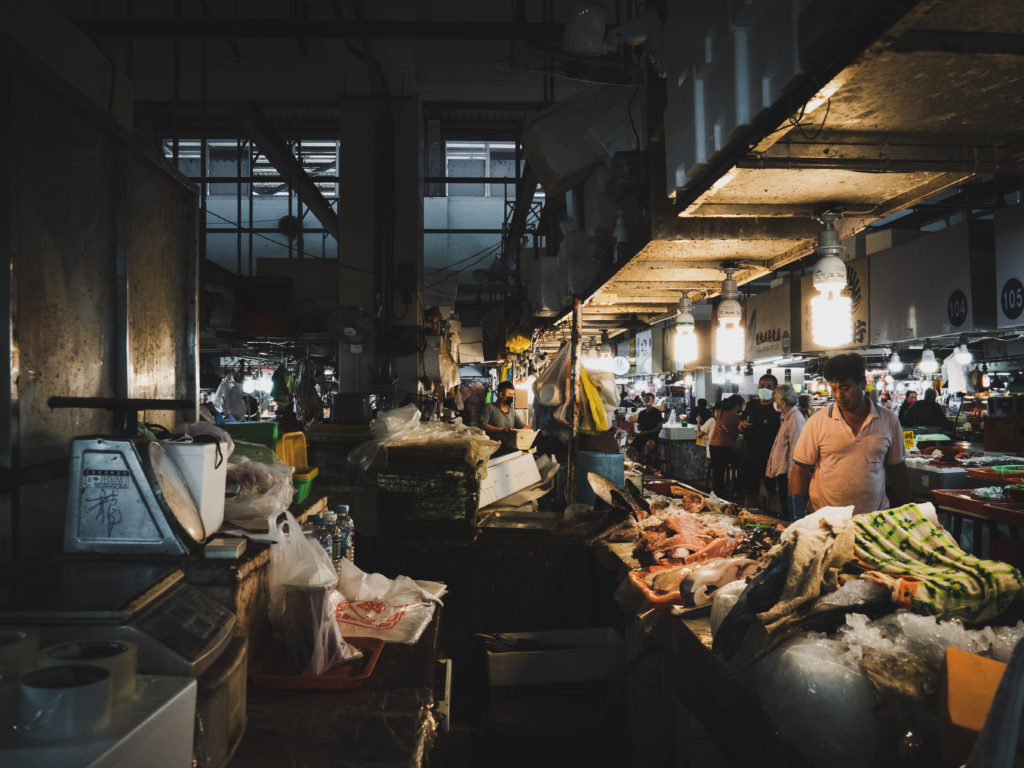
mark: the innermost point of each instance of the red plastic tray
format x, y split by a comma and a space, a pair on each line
997, 511
266, 672
996, 478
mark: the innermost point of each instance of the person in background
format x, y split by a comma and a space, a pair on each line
908, 402
699, 413
759, 424
707, 427
648, 426
854, 448
804, 404
723, 442
925, 413
779, 460
500, 420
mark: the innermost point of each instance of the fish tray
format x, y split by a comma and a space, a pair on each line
1007, 473
266, 671
996, 511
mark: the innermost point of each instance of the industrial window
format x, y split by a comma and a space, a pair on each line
250, 211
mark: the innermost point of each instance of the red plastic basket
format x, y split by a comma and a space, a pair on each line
267, 672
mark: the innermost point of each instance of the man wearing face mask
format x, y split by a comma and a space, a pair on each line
759, 425
500, 420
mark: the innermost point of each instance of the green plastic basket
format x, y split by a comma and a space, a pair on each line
1008, 469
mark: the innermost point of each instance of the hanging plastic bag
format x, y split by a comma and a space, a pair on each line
394, 610
594, 402
304, 600
309, 406
229, 398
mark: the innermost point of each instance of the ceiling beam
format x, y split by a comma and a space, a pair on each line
739, 228
258, 128
318, 28
956, 41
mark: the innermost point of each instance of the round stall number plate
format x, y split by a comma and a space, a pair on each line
1011, 298
957, 308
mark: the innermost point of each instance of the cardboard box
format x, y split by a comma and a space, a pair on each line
562, 656
525, 438
506, 475
471, 334
471, 352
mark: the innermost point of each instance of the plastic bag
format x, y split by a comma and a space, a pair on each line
262, 488
303, 599
229, 398
309, 406
394, 610
402, 426
203, 429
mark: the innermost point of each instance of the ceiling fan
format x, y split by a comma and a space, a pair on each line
590, 54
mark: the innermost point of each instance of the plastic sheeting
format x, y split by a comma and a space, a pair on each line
402, 426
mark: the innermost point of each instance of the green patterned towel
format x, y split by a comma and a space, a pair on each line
926, 569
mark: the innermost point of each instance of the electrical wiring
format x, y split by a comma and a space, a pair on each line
304, 253
454, 272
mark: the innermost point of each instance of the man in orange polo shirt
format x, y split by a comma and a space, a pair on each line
850, 450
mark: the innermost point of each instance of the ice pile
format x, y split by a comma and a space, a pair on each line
925, 637
820, 700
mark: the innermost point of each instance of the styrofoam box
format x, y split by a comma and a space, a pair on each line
506, 475
596, 653
206, 479
471, 352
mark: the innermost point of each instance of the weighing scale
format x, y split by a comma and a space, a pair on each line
130, 522
178, 629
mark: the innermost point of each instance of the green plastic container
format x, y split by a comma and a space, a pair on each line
303, 484
262, 432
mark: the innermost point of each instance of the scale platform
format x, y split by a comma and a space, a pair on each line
179, 630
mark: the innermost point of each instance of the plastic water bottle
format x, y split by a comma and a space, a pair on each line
346, 530
321, 533
333, 536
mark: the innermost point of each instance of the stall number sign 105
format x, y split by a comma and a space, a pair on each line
1012, 298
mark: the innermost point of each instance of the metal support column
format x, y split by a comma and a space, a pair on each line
574, 405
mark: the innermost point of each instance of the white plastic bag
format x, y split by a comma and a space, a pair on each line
262, 489
394, 610
303, 600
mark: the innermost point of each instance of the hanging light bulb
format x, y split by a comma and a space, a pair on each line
928, 362
831, 312
718, 375
963, 354
895, 364
729, 340
686, 334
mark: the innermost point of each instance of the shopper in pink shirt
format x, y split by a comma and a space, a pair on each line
850, 450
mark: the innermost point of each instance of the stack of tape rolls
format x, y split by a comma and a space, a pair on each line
65, 701
118, 656
17, 657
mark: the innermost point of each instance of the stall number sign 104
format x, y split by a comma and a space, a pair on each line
1012, 298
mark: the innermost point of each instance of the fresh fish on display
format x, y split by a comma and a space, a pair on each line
761, 593
697, 588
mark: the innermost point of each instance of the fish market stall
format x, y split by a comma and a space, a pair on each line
830, 639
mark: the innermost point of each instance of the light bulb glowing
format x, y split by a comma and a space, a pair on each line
831, 317
729, 341
895, 364
928, 362
963, 355
685, 344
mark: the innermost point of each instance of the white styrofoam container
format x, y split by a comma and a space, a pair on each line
596, 653
206, 471
506, 475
